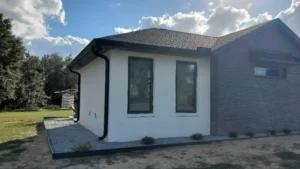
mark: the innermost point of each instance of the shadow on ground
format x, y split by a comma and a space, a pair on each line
11, 150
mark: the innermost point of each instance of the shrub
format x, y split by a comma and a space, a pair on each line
286, 131
31, 108
82, 147
148, 140
233, 135
197, 136
52, 107
272, 132
250, 134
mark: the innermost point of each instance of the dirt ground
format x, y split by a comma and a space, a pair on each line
272, 152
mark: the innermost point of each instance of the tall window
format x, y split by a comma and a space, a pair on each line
270, 72
186, 82
140, 85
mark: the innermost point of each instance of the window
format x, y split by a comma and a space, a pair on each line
186, 79
140, 85
270, 72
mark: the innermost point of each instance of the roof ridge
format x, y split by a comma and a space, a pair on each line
170, 30
185, 32
125, 33
159, 29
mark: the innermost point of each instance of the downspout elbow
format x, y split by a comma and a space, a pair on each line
106, 97
78, 99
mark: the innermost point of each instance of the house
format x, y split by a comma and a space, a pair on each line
164, 83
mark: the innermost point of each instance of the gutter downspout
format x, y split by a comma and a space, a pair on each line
78, 99
96, 52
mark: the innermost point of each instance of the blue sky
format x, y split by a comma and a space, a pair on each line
66, 26
96, 18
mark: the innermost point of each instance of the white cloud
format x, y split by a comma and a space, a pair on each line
62, 45
29, 16
221, 20
295, 1
225, 19
291, 16
249, 5
259, 19
118, 4
188, 22
29, 23
125, 30
211, 4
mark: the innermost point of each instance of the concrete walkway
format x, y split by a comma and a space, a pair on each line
63, 135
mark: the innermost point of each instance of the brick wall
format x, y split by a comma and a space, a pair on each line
240, 101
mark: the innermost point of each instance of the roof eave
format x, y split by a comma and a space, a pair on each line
86, 50
143, 48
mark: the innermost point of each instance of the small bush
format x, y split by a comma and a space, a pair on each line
148, 140
272, 132
233, 135
286, 131
82, 147
52, 107
250, 134
31, 108
197, 136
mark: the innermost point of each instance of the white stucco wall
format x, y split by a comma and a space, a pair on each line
92, 96
164, 122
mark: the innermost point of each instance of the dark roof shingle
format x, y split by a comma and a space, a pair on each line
169, 41
165, 38
174, 39
223, 40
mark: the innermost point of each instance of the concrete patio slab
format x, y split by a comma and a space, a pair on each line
63, 135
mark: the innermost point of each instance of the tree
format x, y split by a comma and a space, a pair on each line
53, 66
12, 53
56, 75
30, 92
70, 79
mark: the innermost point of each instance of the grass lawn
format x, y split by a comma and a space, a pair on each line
19, 125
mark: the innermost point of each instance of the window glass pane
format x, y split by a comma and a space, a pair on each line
186, 86
260, 71
270, 72
140, 77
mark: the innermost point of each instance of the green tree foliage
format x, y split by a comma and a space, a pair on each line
12, 53
70, 79
26, 81
30, 92
56, 75
53, 66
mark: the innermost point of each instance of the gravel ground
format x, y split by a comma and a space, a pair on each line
64, 135
246, 154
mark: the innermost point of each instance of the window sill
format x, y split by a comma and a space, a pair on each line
141, 115
186, 114
270, 77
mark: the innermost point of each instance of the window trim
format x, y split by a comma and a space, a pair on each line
194, 88
280, 77
151, 88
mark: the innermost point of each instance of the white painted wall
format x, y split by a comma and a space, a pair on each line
164, 122
92, 96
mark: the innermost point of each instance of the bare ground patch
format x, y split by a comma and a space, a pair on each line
273, 152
